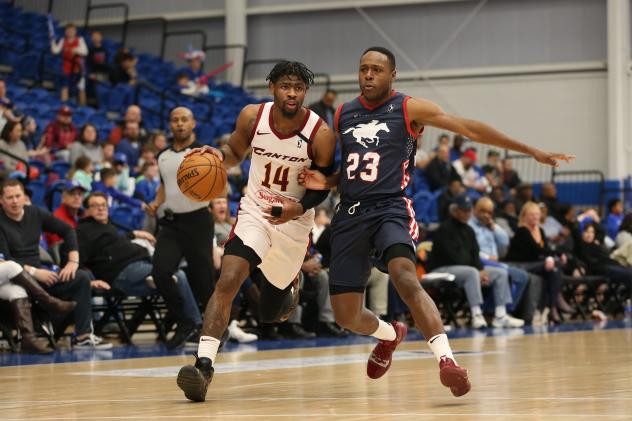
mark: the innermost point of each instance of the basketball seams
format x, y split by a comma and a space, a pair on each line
213, 162
201, 178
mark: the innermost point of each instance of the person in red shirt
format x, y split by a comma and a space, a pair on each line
59, 134
69, 210
72, 49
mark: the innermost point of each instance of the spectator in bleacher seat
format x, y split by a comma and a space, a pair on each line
324, 108
493, 243
98, 67
124, 182
464, 167
221, 219
454, 190
625, 231
530, 250
498, 197
147, 185
614, 217
73, 49
59, 134
524, 194
11, 141
158, 139
69, 210
511, 180
87, 145
124, 71
131, 143
508, 217
455, 250
6, 106
457, 147
126, 265
16, 286
322, 219
147, 155
107, 185
548, 196
422, 158
494, 162
82, 172
21, 227
195, 59
596, 259
553, 230
132, 114
186, 86
29, 130
108, 150
439, 169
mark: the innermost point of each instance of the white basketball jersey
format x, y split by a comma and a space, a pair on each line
277, 159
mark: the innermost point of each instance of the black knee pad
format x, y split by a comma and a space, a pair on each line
399, 250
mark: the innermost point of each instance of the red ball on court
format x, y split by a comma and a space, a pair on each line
202, 177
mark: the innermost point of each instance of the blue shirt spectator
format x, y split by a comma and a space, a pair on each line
106, 185
615, 216
130, 144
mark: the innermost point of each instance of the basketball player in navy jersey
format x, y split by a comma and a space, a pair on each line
271, 232
378, 132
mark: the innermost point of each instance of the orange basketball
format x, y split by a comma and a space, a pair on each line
202, 177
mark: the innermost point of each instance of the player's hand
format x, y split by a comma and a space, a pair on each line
311, 179
205, 149
290, 210
550, 158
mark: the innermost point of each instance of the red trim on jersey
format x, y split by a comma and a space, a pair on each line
254, 128
337, 119
407, 120
405, 175
413, 228
291, 135
372, 107
311, 137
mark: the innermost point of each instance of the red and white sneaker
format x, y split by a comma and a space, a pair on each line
454, 377
382, 355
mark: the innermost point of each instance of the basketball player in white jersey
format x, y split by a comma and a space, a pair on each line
271, 233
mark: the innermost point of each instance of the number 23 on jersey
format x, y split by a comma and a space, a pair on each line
370, 171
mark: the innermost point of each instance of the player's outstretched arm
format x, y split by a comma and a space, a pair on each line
238, 144
426, 113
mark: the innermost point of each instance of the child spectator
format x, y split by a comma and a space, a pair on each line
72, 48
107, 185
147, 185
125, 184
188, 87
614, 218
82, 171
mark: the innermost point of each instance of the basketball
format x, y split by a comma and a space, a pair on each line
201, 177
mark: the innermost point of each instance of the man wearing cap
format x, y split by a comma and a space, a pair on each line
69, 209
464, 167
59, 134
455, 250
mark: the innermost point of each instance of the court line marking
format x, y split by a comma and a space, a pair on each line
269, 364
327, 415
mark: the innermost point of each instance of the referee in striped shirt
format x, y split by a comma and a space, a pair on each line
186, 229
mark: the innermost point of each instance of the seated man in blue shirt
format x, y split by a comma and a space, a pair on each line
493, 242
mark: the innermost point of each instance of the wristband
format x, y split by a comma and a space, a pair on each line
32, 271
276, 211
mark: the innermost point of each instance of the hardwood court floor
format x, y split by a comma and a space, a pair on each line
574, 375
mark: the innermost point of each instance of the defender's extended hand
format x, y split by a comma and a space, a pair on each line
311, 179
550, 158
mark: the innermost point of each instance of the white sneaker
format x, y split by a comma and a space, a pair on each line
236, 333
478, 322
91, 342
507, 321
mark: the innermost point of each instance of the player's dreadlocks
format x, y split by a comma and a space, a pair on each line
291, 68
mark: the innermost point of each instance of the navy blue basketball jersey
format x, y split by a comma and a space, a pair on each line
378, 148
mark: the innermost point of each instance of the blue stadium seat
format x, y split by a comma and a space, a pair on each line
60, 168
122, 215
39, 192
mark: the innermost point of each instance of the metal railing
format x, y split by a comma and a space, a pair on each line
27, 166
242, 47
90, 7
169, 34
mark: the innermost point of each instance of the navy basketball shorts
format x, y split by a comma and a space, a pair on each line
360, 233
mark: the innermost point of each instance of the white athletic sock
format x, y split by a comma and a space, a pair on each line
476, 310
208, 347
385, 331
500, 312
441, 347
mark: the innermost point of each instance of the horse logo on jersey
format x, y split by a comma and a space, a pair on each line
366, 133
